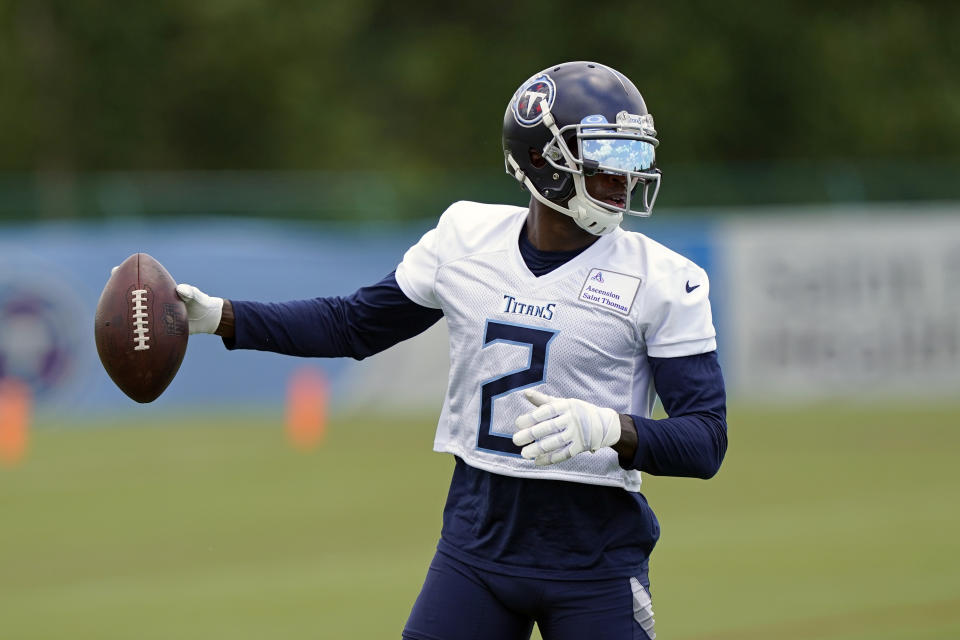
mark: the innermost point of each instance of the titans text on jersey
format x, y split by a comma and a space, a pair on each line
541, 310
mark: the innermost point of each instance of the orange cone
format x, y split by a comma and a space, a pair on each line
307, 408
15, 405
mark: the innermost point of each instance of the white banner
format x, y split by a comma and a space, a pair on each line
867, 302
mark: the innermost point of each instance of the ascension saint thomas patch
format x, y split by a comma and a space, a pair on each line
610, 290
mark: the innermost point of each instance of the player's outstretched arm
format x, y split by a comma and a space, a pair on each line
359, 325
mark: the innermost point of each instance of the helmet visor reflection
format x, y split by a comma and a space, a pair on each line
619, 153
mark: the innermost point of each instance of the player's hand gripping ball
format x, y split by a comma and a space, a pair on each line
141, 328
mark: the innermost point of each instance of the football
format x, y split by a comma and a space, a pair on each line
141, 328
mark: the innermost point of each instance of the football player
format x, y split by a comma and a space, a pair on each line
563, 329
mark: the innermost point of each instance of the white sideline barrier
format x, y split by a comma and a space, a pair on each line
409, 377
866, 303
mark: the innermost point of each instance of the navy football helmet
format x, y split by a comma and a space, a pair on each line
583, 118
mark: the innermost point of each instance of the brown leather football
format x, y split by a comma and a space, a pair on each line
141, 328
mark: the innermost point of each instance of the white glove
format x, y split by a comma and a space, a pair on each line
560, 428
203, 311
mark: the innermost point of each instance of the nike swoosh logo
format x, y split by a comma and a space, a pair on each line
689, 288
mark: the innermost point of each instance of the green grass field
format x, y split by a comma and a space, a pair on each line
825, 522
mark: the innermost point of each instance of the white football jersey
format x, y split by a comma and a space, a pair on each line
581, 331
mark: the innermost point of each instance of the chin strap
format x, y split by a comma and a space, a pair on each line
592, 219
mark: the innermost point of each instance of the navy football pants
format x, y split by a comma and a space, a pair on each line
461, 602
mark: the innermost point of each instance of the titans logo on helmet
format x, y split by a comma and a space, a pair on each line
529, 102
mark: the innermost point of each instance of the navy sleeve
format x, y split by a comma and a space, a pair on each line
692, 441
359, 325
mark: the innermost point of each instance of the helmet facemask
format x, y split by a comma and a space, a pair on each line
623, 148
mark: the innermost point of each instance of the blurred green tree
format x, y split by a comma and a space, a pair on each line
90, 85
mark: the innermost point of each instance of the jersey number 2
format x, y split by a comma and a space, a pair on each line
538, 343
